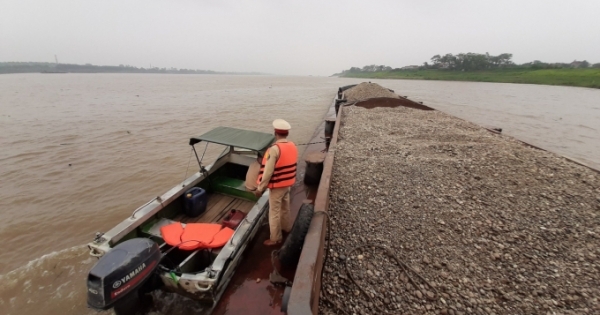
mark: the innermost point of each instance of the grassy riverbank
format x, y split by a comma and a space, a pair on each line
570, 77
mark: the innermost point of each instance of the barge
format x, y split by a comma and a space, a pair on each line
457, 202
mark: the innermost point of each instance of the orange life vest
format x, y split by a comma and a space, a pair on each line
284, 174
196, 235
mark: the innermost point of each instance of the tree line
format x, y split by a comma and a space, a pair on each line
46, 67
470, 61
473, 62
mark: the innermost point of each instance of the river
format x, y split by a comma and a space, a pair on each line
82, 151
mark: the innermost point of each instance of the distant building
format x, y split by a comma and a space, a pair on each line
579, 64
575, 64
410, 68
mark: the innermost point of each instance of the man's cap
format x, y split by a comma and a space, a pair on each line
280, 124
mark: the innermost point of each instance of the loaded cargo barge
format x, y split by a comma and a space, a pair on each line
431, 214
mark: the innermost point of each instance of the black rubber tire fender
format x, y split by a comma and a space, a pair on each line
289, 254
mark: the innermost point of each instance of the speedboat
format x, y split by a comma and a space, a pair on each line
188, 240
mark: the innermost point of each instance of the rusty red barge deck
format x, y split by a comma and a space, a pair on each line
250, 291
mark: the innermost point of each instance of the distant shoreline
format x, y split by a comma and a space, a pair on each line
589, 78
56, 68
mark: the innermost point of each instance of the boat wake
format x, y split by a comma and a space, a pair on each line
55, 284
51, 284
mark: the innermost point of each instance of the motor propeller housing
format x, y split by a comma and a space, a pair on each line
122, 271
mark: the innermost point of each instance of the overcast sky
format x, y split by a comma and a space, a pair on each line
294, 37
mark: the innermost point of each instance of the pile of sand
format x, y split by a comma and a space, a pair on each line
365, 91
492, 226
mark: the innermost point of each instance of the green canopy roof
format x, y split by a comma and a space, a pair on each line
247, 139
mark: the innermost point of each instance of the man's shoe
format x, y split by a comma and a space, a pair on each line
270, 243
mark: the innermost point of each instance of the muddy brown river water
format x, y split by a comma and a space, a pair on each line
79, 152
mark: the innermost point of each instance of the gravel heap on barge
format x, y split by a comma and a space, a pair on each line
475, 222
367, 90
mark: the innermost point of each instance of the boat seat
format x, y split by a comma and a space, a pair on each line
231, 186
196, 235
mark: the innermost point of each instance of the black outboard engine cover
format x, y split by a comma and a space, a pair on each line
121, 271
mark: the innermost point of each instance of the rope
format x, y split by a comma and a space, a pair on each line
188, 166
310, 143
405, 268
356, 284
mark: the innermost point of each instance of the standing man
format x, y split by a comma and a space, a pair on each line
278, 173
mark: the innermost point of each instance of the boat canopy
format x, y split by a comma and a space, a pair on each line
246, 139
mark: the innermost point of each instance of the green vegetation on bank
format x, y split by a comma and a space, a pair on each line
570, 77
487, 68
46, 67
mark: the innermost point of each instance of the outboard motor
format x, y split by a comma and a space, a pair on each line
116, 278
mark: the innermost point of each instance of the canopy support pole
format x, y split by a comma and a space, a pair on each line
198, 159
202, 169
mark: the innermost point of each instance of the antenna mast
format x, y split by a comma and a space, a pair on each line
56, 59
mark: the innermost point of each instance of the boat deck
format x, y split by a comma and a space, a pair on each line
244, 289
218, 207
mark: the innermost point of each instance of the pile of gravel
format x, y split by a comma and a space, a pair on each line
366, 90
471, 222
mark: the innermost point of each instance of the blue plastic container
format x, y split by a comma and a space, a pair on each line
195, 201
